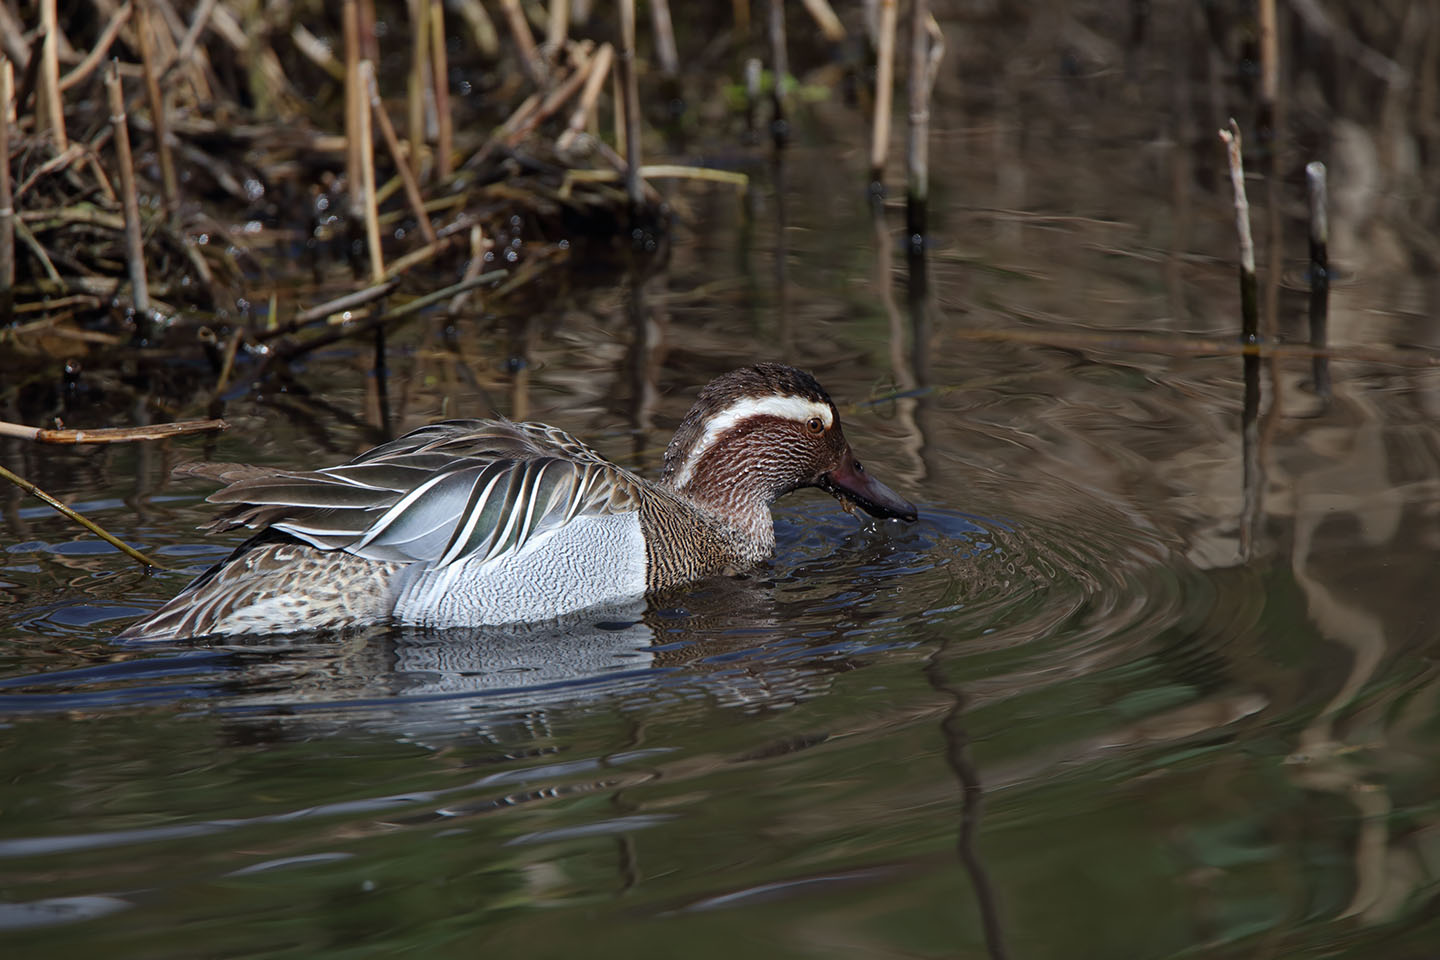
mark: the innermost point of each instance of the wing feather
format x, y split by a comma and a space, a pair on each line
440, 494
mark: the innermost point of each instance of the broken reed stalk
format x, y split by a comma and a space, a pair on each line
780, 67
170, 183
397, 154
884, 83
925, 53
134, 240
154, 431
665, 50
530, 60
419, 70
594, 83
1249, 310
754, 79
7, 200
444, 126
825, 19
631, 91
1319, 274
49, 107
558, 27
85, 522
81, 72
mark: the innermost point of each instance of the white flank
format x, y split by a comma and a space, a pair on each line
792, 408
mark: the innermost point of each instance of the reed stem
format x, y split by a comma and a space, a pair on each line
824, 16
665, 50
169, 181
7, 200
444, 124
407, 174
559, 26
780, 67
1316, 190
418, 81
49, 108
631, 91
884, 84
367, 178
920, 85
1249, 308
134, 240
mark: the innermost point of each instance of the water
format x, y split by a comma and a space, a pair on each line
1106, 698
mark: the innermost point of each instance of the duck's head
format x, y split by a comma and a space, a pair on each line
757, 433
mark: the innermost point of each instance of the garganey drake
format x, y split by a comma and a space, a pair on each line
472, 522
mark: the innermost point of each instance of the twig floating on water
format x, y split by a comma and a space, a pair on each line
85, 522
154, 431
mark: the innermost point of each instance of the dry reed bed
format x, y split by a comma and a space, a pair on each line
162, 157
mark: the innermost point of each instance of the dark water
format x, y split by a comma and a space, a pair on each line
1107, 698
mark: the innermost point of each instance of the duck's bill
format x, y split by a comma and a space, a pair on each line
850, 484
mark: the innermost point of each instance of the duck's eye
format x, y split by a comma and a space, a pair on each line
815, 425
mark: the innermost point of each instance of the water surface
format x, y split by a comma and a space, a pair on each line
1133, 686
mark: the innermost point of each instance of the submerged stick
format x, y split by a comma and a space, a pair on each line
154, 431
134, 241
291, 351
339, 305
631, 91
1319, 274
1249, 309
884, 83
85, 522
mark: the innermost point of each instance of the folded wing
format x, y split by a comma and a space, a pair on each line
451, 491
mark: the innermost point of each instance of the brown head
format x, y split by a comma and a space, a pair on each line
757, 433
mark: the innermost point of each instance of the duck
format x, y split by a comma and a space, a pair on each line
491, 522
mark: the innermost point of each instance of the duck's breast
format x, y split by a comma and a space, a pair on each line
588, 561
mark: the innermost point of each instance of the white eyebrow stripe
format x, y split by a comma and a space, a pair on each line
791, 408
